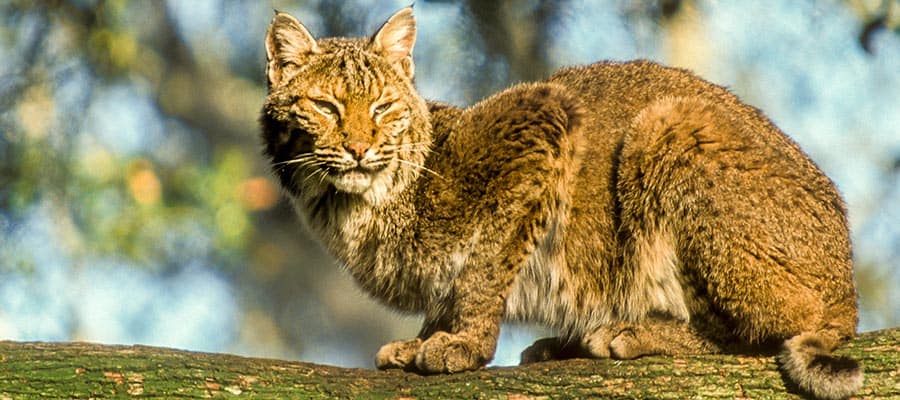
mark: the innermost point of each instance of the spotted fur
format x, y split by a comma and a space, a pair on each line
634, 208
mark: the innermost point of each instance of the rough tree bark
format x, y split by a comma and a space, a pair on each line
80, 370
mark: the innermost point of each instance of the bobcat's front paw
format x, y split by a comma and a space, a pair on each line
397, 354
448, 353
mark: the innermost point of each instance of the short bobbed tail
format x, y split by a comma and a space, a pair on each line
808, 363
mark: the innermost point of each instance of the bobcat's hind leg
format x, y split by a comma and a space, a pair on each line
773, 256
626, 340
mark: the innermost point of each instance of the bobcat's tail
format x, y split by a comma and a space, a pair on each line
809, 364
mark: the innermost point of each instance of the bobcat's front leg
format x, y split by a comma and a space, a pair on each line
475, 313
462, 339
397, 354
521, 165
401, 354
478, 301
470, 346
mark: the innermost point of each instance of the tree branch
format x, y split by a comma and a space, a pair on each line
80, 370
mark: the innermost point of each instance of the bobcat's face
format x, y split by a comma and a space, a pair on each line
346, 125
341, 114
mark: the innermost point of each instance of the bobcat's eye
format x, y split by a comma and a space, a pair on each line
381, 109
326, 108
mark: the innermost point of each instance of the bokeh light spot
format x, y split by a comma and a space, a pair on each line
143, 184
35, 112
99, 165
258, 193
231, 220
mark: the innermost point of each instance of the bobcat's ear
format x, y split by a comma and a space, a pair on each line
395, 40
287, 42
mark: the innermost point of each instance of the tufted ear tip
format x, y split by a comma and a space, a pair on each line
395, 40
287, 42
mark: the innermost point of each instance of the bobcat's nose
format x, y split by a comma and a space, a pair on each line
357, 149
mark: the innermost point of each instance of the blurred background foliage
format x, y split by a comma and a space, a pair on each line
135, 206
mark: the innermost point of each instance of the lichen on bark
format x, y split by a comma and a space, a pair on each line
83, 370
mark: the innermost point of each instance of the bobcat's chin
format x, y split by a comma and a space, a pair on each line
372, 183
354, 181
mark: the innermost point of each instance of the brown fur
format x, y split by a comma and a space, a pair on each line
636, 209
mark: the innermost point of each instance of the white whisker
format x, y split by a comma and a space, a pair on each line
300, 158
422, 167
414, 146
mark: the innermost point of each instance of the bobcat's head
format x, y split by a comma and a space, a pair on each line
342, 114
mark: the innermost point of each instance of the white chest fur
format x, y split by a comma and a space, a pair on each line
546, 291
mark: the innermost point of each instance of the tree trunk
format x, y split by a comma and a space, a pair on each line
80, 370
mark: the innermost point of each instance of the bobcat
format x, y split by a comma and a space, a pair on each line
636, 209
